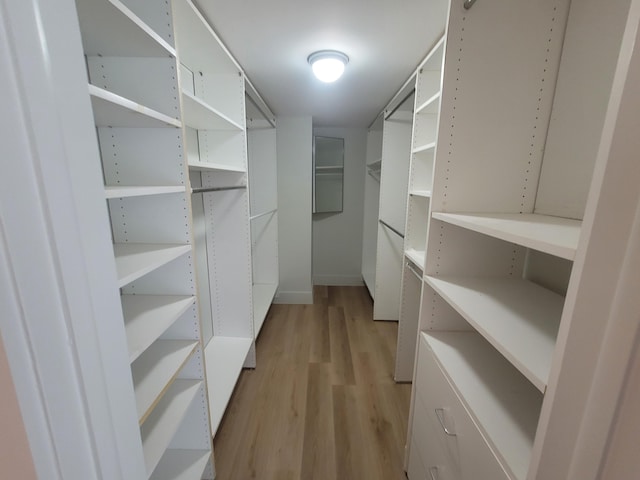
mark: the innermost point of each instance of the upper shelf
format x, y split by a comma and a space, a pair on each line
214, 167
133, 260
112, 110
503, 405
140, 191
519, 318
109, 28
199, 115
553, 235
432, 105
200, 48
424, 148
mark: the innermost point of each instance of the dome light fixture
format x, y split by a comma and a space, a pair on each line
328, 65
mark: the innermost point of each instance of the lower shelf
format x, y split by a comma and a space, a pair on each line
161, 425
370, 281
263, 294
182, 465
224, 358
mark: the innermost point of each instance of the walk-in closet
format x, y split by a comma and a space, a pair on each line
219, 262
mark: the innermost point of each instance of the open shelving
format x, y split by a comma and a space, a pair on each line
182, 465
133, 260
199, 115
139, 191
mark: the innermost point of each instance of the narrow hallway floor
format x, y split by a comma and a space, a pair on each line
322, 403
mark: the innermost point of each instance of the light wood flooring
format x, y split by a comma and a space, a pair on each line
322, 403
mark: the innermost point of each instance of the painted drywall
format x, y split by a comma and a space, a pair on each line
337, 237
294, 137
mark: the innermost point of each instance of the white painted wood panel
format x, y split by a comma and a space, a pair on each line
136, 260
182, 465
199, 115
126, 191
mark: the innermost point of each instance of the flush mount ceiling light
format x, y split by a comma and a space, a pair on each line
328, 65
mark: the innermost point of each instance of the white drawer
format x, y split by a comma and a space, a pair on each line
427, 459
442, 424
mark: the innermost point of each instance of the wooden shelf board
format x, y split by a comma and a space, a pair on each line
112, 110
110, 29
133, 260
155, 370
214, 167
199, 115
224, 358
424, 148
182, 465
263, 294
421, 193
519, 318
164, 420
139, 191
147, 317
554, 235
430, 106
503, 405
416, 256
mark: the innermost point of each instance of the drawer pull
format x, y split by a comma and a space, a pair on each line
433, 472
440, 415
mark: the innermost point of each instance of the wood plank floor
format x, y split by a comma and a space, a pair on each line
322, 403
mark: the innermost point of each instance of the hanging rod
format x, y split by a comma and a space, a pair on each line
410, 267
391, 228
468, 4
216, 189
263, 214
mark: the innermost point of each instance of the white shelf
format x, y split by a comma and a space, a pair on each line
165, 419
504, 406
110, 29
155, 370
421, 193
133, 260
112, 110
431, 106
263, 294
416, 256
199, 115
224, 357
148, 316
554, 235
214, 167
140, 191
519, 318
330, 167
424, 148
182, 465
375, 166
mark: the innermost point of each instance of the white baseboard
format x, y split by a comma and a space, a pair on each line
297, 298
338, 280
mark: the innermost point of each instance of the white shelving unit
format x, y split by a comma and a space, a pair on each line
505, 237
422, 152
263, 194
132, 69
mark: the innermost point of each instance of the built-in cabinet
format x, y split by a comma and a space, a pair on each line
188, 156
521, 115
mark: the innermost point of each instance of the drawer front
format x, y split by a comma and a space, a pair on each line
447, 427
427, 459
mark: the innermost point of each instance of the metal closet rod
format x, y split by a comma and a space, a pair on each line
216, 189
391, 228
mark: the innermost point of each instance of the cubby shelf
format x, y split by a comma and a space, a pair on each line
99, 19
199, 115
163, 422
224, 357
112, 110
154, 371
430, 106
519, 318
503, 405
214, 167
133, 260
148, 316
424, 148
181, 465
421, 193
262, 297
139, 191
416, 257
553, 235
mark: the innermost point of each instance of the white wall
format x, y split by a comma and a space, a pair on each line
294, 136
337, 237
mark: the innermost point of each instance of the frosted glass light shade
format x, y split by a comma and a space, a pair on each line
328, 66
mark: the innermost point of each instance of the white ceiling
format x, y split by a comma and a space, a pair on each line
384, 39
